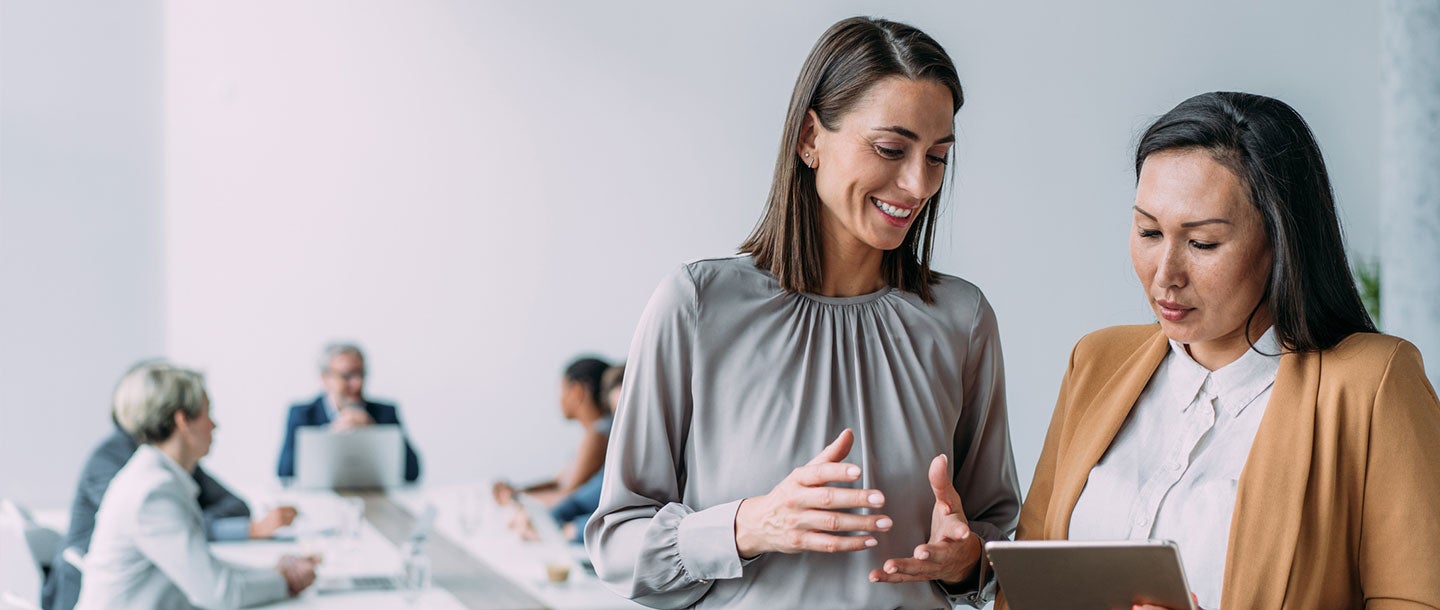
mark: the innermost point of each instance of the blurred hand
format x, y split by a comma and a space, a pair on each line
299, 572
503, 492
802, 512
952, 552
277, 518
1150, 607
520, 524
351, 418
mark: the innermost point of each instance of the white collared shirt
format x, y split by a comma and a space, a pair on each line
1172, 471
149, 549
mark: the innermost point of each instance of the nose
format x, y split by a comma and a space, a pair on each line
1172, 271
914, 179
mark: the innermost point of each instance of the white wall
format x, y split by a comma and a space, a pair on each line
478, 190
80, 228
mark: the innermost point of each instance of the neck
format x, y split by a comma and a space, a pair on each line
850, 267
1216, 354
174, 448
588, 417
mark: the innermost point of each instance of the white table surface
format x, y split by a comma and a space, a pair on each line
489, 540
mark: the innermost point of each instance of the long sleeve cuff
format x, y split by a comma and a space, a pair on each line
262, 586
977, 590
229, 528
706, 541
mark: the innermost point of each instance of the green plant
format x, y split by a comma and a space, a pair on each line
1367, 281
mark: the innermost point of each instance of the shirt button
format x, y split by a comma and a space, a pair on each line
1142, 521
1173, 466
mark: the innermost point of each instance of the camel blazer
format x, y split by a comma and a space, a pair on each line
1339, 502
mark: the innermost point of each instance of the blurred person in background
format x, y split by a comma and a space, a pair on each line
581, 400
226, 517
149, 548
573, 510
341, 406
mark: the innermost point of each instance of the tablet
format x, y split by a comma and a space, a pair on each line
1047, 574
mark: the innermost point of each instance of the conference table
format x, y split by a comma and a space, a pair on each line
476, 562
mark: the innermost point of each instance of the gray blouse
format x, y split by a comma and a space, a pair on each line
731, 383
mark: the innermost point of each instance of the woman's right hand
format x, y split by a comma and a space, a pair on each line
299, 572
803, 513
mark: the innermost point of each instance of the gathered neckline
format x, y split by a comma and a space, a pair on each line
855, 300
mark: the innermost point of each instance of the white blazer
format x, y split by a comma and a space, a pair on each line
149, 549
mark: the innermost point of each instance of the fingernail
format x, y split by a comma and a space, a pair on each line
853, 471
871, 541
877, 499
922, 555
874, 578
890, 569
884, 524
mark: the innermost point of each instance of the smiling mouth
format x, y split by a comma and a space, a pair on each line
891, 210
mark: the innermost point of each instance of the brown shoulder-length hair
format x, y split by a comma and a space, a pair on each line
849, 59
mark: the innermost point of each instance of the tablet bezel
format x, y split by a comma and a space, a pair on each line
1085, 575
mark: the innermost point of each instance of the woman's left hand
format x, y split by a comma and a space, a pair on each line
952, 552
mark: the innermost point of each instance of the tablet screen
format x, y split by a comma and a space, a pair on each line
1042, 575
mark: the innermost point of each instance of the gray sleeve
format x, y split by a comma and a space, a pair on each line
985, 472
646, 544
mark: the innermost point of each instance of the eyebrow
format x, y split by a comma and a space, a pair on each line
1188, 225
906, 133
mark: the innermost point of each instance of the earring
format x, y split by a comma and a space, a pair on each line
808, 163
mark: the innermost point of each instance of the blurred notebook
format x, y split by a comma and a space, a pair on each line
353, 583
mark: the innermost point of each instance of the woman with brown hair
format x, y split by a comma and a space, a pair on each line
821, 421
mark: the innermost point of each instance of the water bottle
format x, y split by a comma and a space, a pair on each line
417, 568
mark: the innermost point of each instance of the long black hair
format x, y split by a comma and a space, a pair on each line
1313, 300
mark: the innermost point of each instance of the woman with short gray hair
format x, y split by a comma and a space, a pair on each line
149, 548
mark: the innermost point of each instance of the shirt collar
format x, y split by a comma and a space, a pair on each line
187, 479
1235, 385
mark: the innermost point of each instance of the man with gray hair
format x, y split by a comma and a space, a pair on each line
341, 406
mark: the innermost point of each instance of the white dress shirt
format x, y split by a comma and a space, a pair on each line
149, 549
1172, 470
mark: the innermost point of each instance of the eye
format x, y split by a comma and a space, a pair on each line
1199, 245
1148, 233
889, 153
937, 159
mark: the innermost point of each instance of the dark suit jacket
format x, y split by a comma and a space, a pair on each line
313, 414
62, 588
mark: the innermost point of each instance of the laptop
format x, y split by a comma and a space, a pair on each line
328, 585
372, 456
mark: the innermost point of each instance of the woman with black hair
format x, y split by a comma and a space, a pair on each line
582, 400
1263, 424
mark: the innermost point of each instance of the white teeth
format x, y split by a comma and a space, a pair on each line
891, 210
